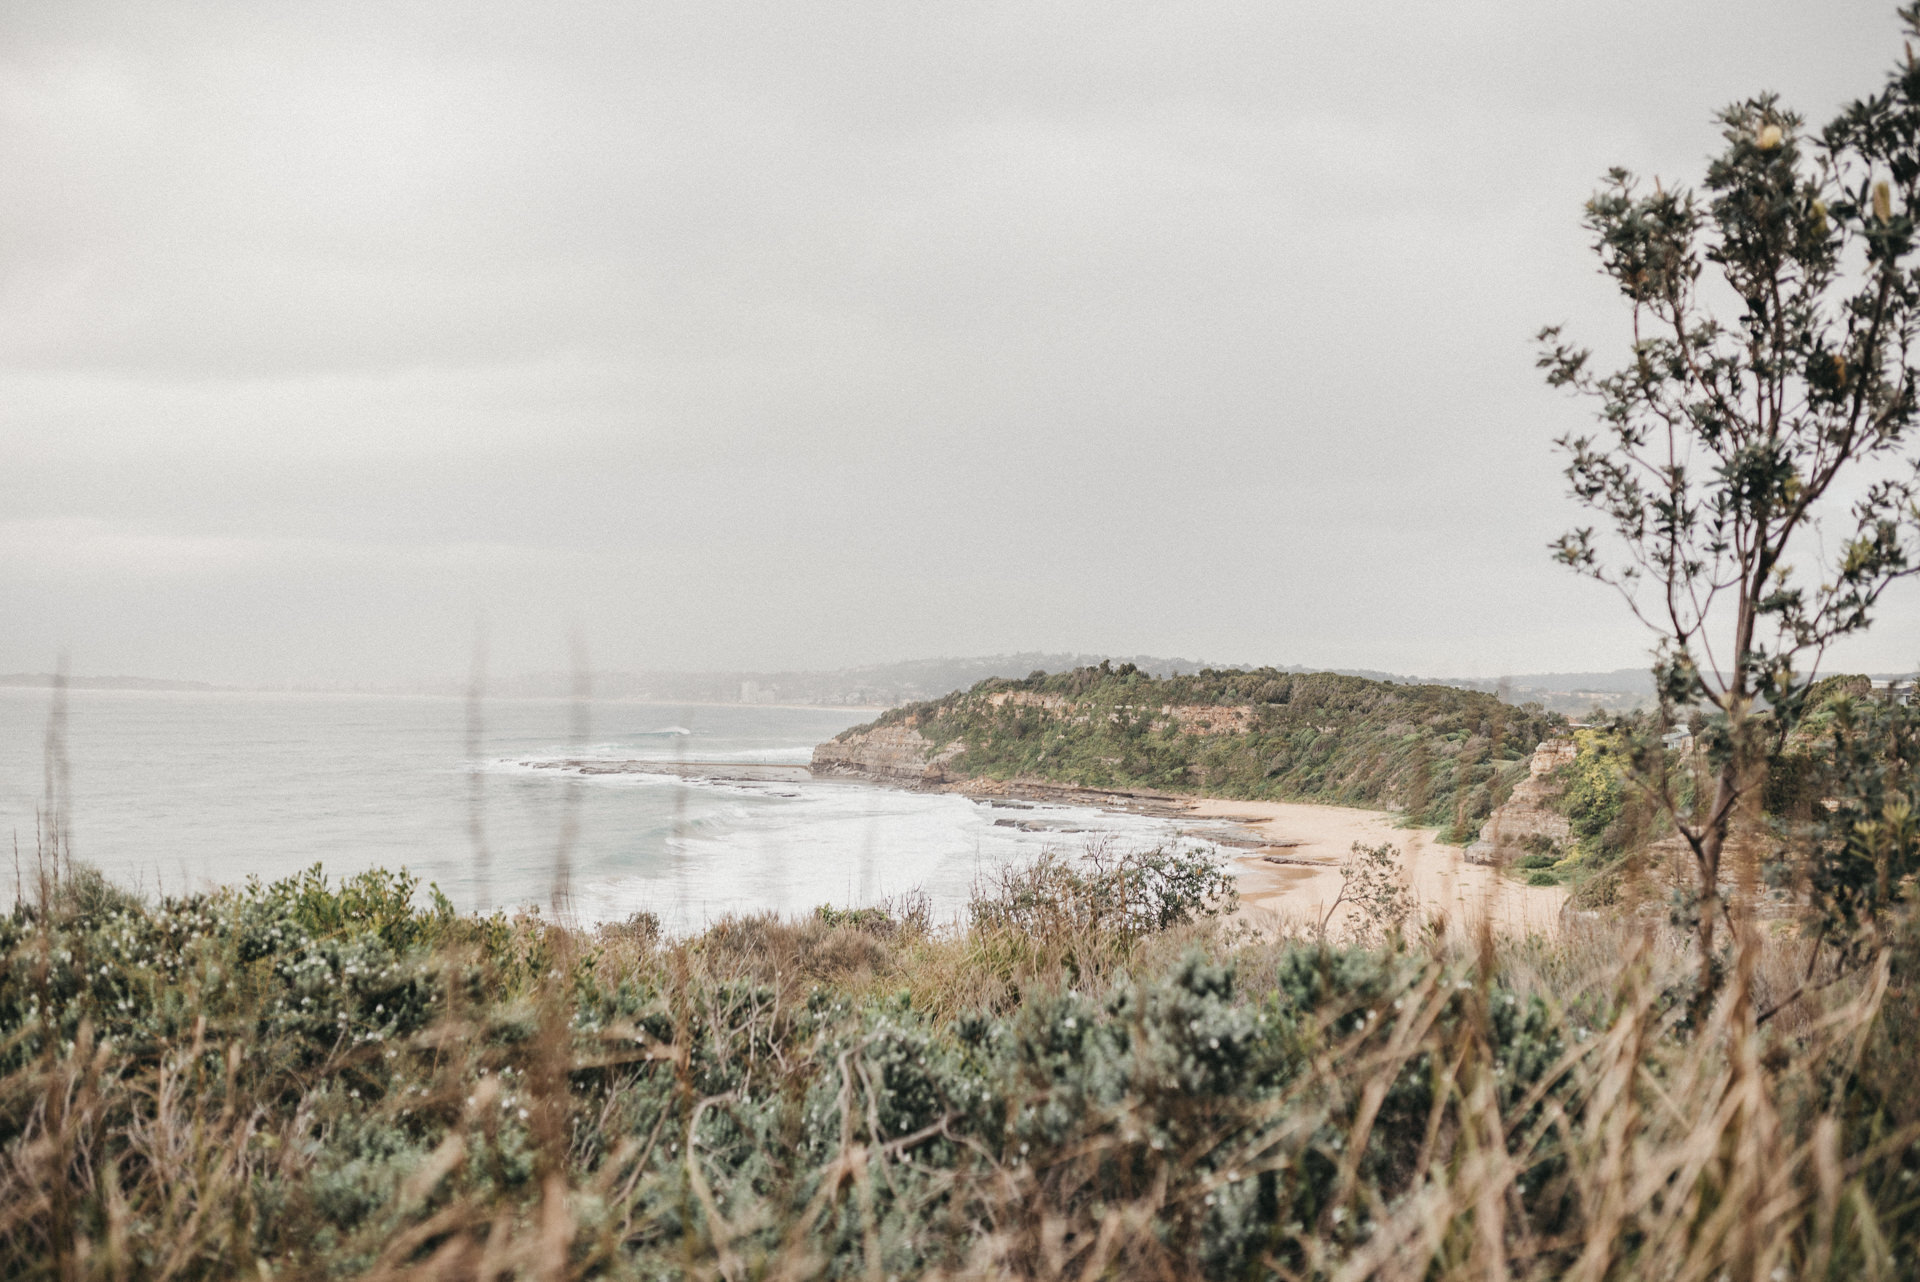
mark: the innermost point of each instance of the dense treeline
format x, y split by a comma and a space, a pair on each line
1442, 755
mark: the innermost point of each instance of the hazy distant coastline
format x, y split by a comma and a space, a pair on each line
886, 685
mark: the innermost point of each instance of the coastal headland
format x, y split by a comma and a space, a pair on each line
1289, 770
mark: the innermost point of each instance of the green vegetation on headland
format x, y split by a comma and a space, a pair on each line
1443, 756
1094, 1078
1851, 756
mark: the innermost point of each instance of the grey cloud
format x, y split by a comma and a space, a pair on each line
775, 334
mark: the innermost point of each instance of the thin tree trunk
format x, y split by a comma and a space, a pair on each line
1730, 778
1713, 844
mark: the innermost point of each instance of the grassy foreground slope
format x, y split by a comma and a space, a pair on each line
1442, 755
305, 1080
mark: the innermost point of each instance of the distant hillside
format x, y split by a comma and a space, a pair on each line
1443, 755
871, 685
889, 684
883, 685
1621, 690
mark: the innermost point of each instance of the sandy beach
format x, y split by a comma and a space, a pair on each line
1313, 839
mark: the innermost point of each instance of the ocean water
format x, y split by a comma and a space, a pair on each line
176, 791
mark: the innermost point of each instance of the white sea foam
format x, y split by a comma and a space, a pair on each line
780, 755
848, 845
747, 846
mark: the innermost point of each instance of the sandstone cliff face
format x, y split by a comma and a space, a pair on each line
888, 754
1028, 699
1208, 719
1529, 812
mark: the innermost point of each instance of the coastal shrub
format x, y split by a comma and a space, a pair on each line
1103, 892
1851, 855
898, 916
197, 1086
1593, 790
1371, 886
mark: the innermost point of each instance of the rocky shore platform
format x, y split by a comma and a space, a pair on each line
710, 771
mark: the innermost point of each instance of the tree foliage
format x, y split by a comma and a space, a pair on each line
1727, 445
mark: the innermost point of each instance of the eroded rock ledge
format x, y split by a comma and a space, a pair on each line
1528, 817
887, 754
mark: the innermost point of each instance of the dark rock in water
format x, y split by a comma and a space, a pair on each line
1043, 825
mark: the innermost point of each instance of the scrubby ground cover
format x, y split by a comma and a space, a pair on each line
1097, 1077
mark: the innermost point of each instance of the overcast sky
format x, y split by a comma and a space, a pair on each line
808, 334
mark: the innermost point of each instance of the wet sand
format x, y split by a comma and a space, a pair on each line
1295, 875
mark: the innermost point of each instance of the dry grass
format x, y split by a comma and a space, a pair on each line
1035, 1097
